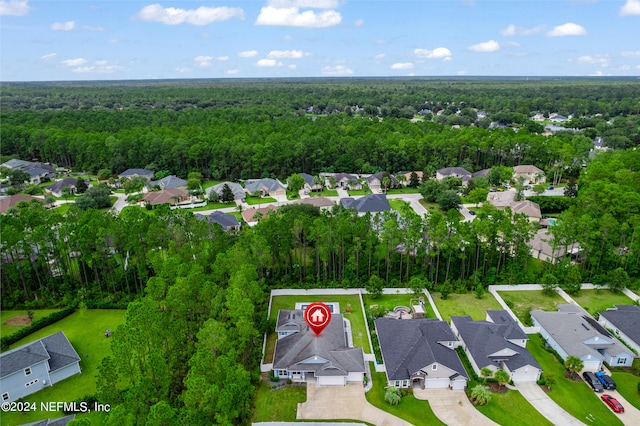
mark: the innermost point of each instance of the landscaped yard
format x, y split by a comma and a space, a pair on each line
404, 190
85, 330
576, 398
429, 206
465, 304
390, 301
523, 302
21, 319
413, 410
511, 408
325, 193
397, 204
627, 385
280, 405
594, 301
255, 201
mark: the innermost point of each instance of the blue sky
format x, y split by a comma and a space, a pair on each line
114, 40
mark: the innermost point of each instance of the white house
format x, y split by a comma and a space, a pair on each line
624, 320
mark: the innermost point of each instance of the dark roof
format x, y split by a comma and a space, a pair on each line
626, 318
223, 219
483, 172
308, 179
410, 345
36, 171
449, 171
369, 203
169, 182
61, 421
267, 184
137, 172
325, 355
340, 176
64, 183
487, 341
236, 188
56, 348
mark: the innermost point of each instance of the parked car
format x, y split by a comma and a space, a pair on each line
472, 212
613, 403
606, 380
592, 381
550, 188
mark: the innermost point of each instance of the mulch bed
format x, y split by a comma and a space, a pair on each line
18, 320
496, 388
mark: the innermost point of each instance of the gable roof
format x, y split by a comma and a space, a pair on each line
308, 179
526, 207
55, 348
165, 196
137, 172
236, 188
169, 182
369, 203
16, 163
626, 318
64, 183
223, 219
501, 199
526, 169
248, 214
342, 176
14, 200
266, 184
454, 171
542, 241
326, 355
316, 201
483, 173
410, 345
570, 326
489, 342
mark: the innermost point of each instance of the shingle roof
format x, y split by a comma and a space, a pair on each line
138, 172
626, 318
54, 348
223, 219
449, 171
169, 182
528, 168
64, 183
248, 214
527, 207
308, 179
236, 188
488, 341
15, 163
267, 184
316, 201
410, 345
369, 203
14, 200
165, 196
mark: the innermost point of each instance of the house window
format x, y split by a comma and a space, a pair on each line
26, 385
450, 344
622, 360
27, 371
397, 383
5, 396
405, 383
434, 367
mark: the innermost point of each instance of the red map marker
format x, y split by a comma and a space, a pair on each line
317, 315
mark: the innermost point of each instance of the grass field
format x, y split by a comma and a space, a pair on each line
523, 302
627, 385
255, 201
7, 330
413, 410
404, 190
576, 398
397, 204
279, 405
85, 330
512, 409
390, 301
325, 193
594, 301
465, 304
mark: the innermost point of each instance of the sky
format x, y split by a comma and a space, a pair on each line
122, 39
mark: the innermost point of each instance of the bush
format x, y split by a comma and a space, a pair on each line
7, 341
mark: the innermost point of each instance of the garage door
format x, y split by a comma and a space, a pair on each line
524, 377
591, 365
458, 384
436, 383
331, 381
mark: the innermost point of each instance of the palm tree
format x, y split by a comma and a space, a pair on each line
318, 181
573, 364
486, 373
393, 395
502, 377
480, 395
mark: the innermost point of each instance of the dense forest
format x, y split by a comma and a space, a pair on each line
197, 296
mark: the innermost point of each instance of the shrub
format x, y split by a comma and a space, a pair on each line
7, 341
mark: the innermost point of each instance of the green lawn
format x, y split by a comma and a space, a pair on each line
465, 304
358, 192
404, 190
7, 330
390, 301
523, 302
324, 193
576, 398
85, 329
430, 206
511, 408
210, 183
254, 201
627, 385
280, 405
398, 204
415, 411
594, 301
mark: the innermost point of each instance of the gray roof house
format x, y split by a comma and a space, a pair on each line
131, 173
528, 208
16, 163
236, 188
36, 365
624, 320
60, 421
346, 180
571, 331
266, 186
542, 247
56, 188
327, 359
497, 343
458, 172
372, 203
309, 182
420, 352
226, 220
169, 182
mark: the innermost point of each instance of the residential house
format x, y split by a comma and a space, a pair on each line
501, 199
132, 173
56, 188
531, 174
13, 200
457, 172
252, 215
168, 182
236, 188
36, 365
557, 118
482, 173
327, 358
624, 321
321, 202
498, 343
541, 247
372, 203
407, 176
37, 171
60, 421
420, 352
266, 187
310, 183
347, 181
16, 163
571, 331
167, 196
226, 220
528, 208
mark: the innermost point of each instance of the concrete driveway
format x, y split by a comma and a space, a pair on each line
452, 407
631, 415
343, 402
545, 405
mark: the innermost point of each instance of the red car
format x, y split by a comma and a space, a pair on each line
613, 403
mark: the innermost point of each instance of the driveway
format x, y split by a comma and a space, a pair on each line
545, 405
343, 402
631, 416
452, 407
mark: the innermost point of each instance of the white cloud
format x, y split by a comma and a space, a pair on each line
63, 26
359, 22
337, 71
183, 69
98, 67
14, 8
631, 7
222, 58
379, 56
487, 46
48, 56
97, 29
292, 17
203, 61
248, 53
402, 66
599, 74
602, 60
233, 72
437, 53
200, 16
292, 66
513, 30
307, 4
287, 54
268, 63
568, 29
635, 54
74, 62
